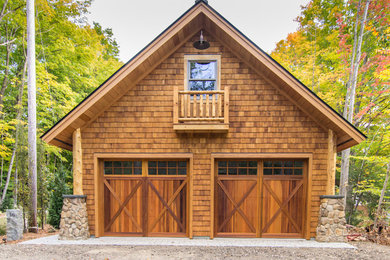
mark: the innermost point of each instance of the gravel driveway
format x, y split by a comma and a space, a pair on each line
365, 250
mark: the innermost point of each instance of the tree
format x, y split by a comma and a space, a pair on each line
378, 211
335, 24
72, 59
62, 184
32, 113
351, 92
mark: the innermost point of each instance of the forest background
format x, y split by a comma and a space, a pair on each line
341, 51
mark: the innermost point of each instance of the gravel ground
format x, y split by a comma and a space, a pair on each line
365, 250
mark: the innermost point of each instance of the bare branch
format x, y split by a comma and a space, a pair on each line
3, 9
7, 42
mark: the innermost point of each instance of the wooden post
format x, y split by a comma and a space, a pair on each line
188, 100
226, 106
213, 106
77, 163
332, 152
175, 105
207, 106
201, 105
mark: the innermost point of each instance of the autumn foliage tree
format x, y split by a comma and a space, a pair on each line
341, 51
73, 58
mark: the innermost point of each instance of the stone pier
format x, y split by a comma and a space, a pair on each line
14, 224
331, 224
74, 218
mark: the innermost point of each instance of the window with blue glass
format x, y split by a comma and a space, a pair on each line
202, 75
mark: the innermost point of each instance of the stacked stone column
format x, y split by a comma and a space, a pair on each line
74, 218
331, 224
14, 224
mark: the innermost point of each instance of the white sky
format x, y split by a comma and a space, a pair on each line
135, 23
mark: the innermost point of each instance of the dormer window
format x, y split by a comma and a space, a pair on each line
202, 72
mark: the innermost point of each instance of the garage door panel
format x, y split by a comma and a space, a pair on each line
282, 211
123, 205
236, 206
167, 201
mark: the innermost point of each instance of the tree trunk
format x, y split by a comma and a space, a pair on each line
32, 124
350, 98
355, 198
18, 127
4, 85
8, 176
18, 117
16, 187
2, 165
378, 211
2, 13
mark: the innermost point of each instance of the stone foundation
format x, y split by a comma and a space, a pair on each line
74, 218
331, 224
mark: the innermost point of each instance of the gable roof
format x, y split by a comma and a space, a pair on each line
201, 16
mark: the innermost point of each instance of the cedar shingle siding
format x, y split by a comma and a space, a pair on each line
261, 121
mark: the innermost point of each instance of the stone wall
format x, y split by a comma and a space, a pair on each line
74, 218
331, 224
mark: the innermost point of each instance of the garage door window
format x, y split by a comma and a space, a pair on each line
167, 168
290, 167
123, 168
237, 168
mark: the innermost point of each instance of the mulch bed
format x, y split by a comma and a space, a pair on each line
379, 235
48, 230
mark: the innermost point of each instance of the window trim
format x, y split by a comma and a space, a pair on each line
188, 58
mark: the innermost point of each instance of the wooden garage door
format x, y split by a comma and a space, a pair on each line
237, 198
145, 198
283, 199
259, 198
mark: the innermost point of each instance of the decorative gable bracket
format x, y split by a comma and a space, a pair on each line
201, 111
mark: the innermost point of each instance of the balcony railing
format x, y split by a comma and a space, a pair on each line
201, 111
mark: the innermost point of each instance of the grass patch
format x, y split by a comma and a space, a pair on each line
3, 225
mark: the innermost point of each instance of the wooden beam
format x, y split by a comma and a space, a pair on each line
175, 104
143, 155
77, 163
190, 198
99, 199
309, 197
212, 199
201, 128
226, 105
262, 155
332, 152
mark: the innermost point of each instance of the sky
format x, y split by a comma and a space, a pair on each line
135, 23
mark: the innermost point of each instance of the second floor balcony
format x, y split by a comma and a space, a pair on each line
201, 111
